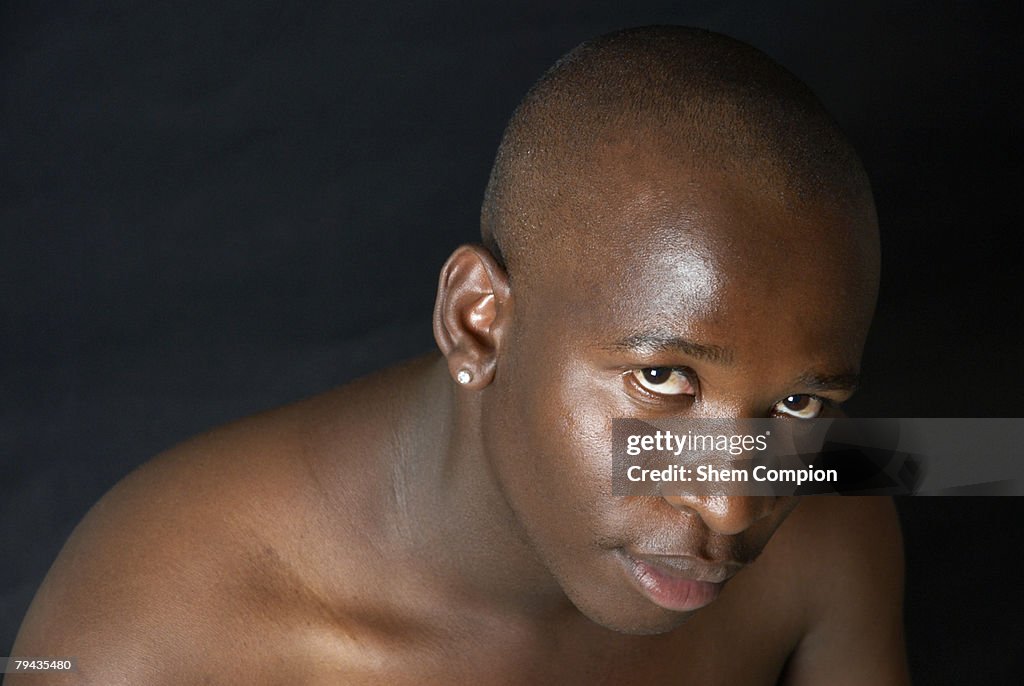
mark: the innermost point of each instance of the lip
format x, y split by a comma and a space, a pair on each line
676, 582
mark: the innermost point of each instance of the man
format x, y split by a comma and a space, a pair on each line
674, 228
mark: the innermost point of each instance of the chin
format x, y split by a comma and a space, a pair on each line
602, 592
615, 606
636, 621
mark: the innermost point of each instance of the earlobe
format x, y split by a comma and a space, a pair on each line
472, 298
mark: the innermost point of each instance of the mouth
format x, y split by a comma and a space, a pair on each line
677, 582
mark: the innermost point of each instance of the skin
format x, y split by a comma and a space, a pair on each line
406, 529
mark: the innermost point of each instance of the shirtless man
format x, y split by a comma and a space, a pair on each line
673, 227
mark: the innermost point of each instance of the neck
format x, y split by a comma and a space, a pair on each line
460, 523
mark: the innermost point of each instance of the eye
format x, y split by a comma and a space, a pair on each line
664, 381
799, 406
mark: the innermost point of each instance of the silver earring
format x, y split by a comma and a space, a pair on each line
464, 376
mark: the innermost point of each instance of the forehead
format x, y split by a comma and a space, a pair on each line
710, 254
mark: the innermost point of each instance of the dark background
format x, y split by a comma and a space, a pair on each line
208, 209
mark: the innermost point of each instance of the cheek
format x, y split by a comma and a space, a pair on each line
550, 442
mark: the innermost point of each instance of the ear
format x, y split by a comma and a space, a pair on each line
473, 294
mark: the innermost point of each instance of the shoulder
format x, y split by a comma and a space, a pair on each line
851, 536
846, 555
181, 560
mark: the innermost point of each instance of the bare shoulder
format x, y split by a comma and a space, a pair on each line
849, 576
187, 557
852, 536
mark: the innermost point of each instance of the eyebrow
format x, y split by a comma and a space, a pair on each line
830, 382
653, 343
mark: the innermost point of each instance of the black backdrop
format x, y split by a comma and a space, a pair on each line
211, 208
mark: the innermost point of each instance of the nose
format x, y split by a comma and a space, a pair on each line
725, 514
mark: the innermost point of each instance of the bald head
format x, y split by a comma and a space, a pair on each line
692, 98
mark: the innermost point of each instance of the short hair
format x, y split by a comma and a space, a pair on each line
709, 99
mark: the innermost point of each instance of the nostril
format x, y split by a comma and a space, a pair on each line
724, 514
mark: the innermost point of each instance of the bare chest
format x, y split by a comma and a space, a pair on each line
704, 651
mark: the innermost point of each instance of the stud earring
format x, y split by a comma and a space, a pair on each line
464, 376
